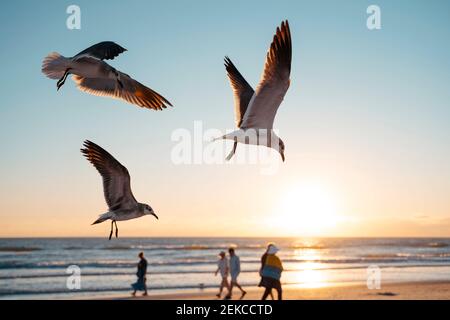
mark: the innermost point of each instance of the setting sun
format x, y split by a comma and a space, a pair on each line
307, 209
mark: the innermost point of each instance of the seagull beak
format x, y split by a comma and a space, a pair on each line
282, 156
154, 214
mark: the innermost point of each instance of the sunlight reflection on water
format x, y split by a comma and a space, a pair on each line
309, 274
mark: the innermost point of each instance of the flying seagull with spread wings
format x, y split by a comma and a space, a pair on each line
93, 75
255, 110
116, 187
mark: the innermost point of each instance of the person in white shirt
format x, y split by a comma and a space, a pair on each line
224, 268
235, 270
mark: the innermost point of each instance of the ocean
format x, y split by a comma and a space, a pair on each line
37, 268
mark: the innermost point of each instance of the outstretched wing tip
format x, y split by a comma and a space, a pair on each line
105, 50
274, 81
88, 143
229, 66
116, 179
89, 148
227, 62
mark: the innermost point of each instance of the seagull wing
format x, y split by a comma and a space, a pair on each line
116, 179
106, 50
243, 92
132, 91
274, 82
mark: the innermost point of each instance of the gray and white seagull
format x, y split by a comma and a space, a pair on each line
116, 187
255, 110
93, 75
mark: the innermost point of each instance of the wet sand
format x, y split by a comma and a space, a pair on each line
392, 291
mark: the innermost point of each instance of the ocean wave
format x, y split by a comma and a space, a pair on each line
152, 273
437, 244
104, 264
258, 247
432, 244
18, 249
9, 292
181, 247
207, 247
116, 248
115, 264
63, 292
406, 243
394, 256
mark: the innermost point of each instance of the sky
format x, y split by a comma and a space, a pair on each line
365, 120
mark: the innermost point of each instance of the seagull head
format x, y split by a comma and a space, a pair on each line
149, 211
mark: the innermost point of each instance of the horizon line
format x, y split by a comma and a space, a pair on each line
229, 237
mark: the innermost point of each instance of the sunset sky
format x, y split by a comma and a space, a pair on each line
365, 121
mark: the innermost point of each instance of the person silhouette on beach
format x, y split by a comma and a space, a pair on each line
271, 273
141, 273
235, 269
263, 262
224, 269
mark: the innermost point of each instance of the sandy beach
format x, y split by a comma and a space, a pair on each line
393, 291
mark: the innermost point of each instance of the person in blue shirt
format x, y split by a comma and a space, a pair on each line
271, 273
235, 270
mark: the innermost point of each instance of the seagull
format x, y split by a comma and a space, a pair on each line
116, 187
255, 110
93, 75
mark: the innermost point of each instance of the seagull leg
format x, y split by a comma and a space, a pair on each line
61, 81
117, 229
112, 225
228, 158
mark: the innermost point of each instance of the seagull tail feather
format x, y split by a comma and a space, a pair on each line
102, 218
54, 65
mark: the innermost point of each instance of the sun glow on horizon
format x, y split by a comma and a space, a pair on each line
306, 210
